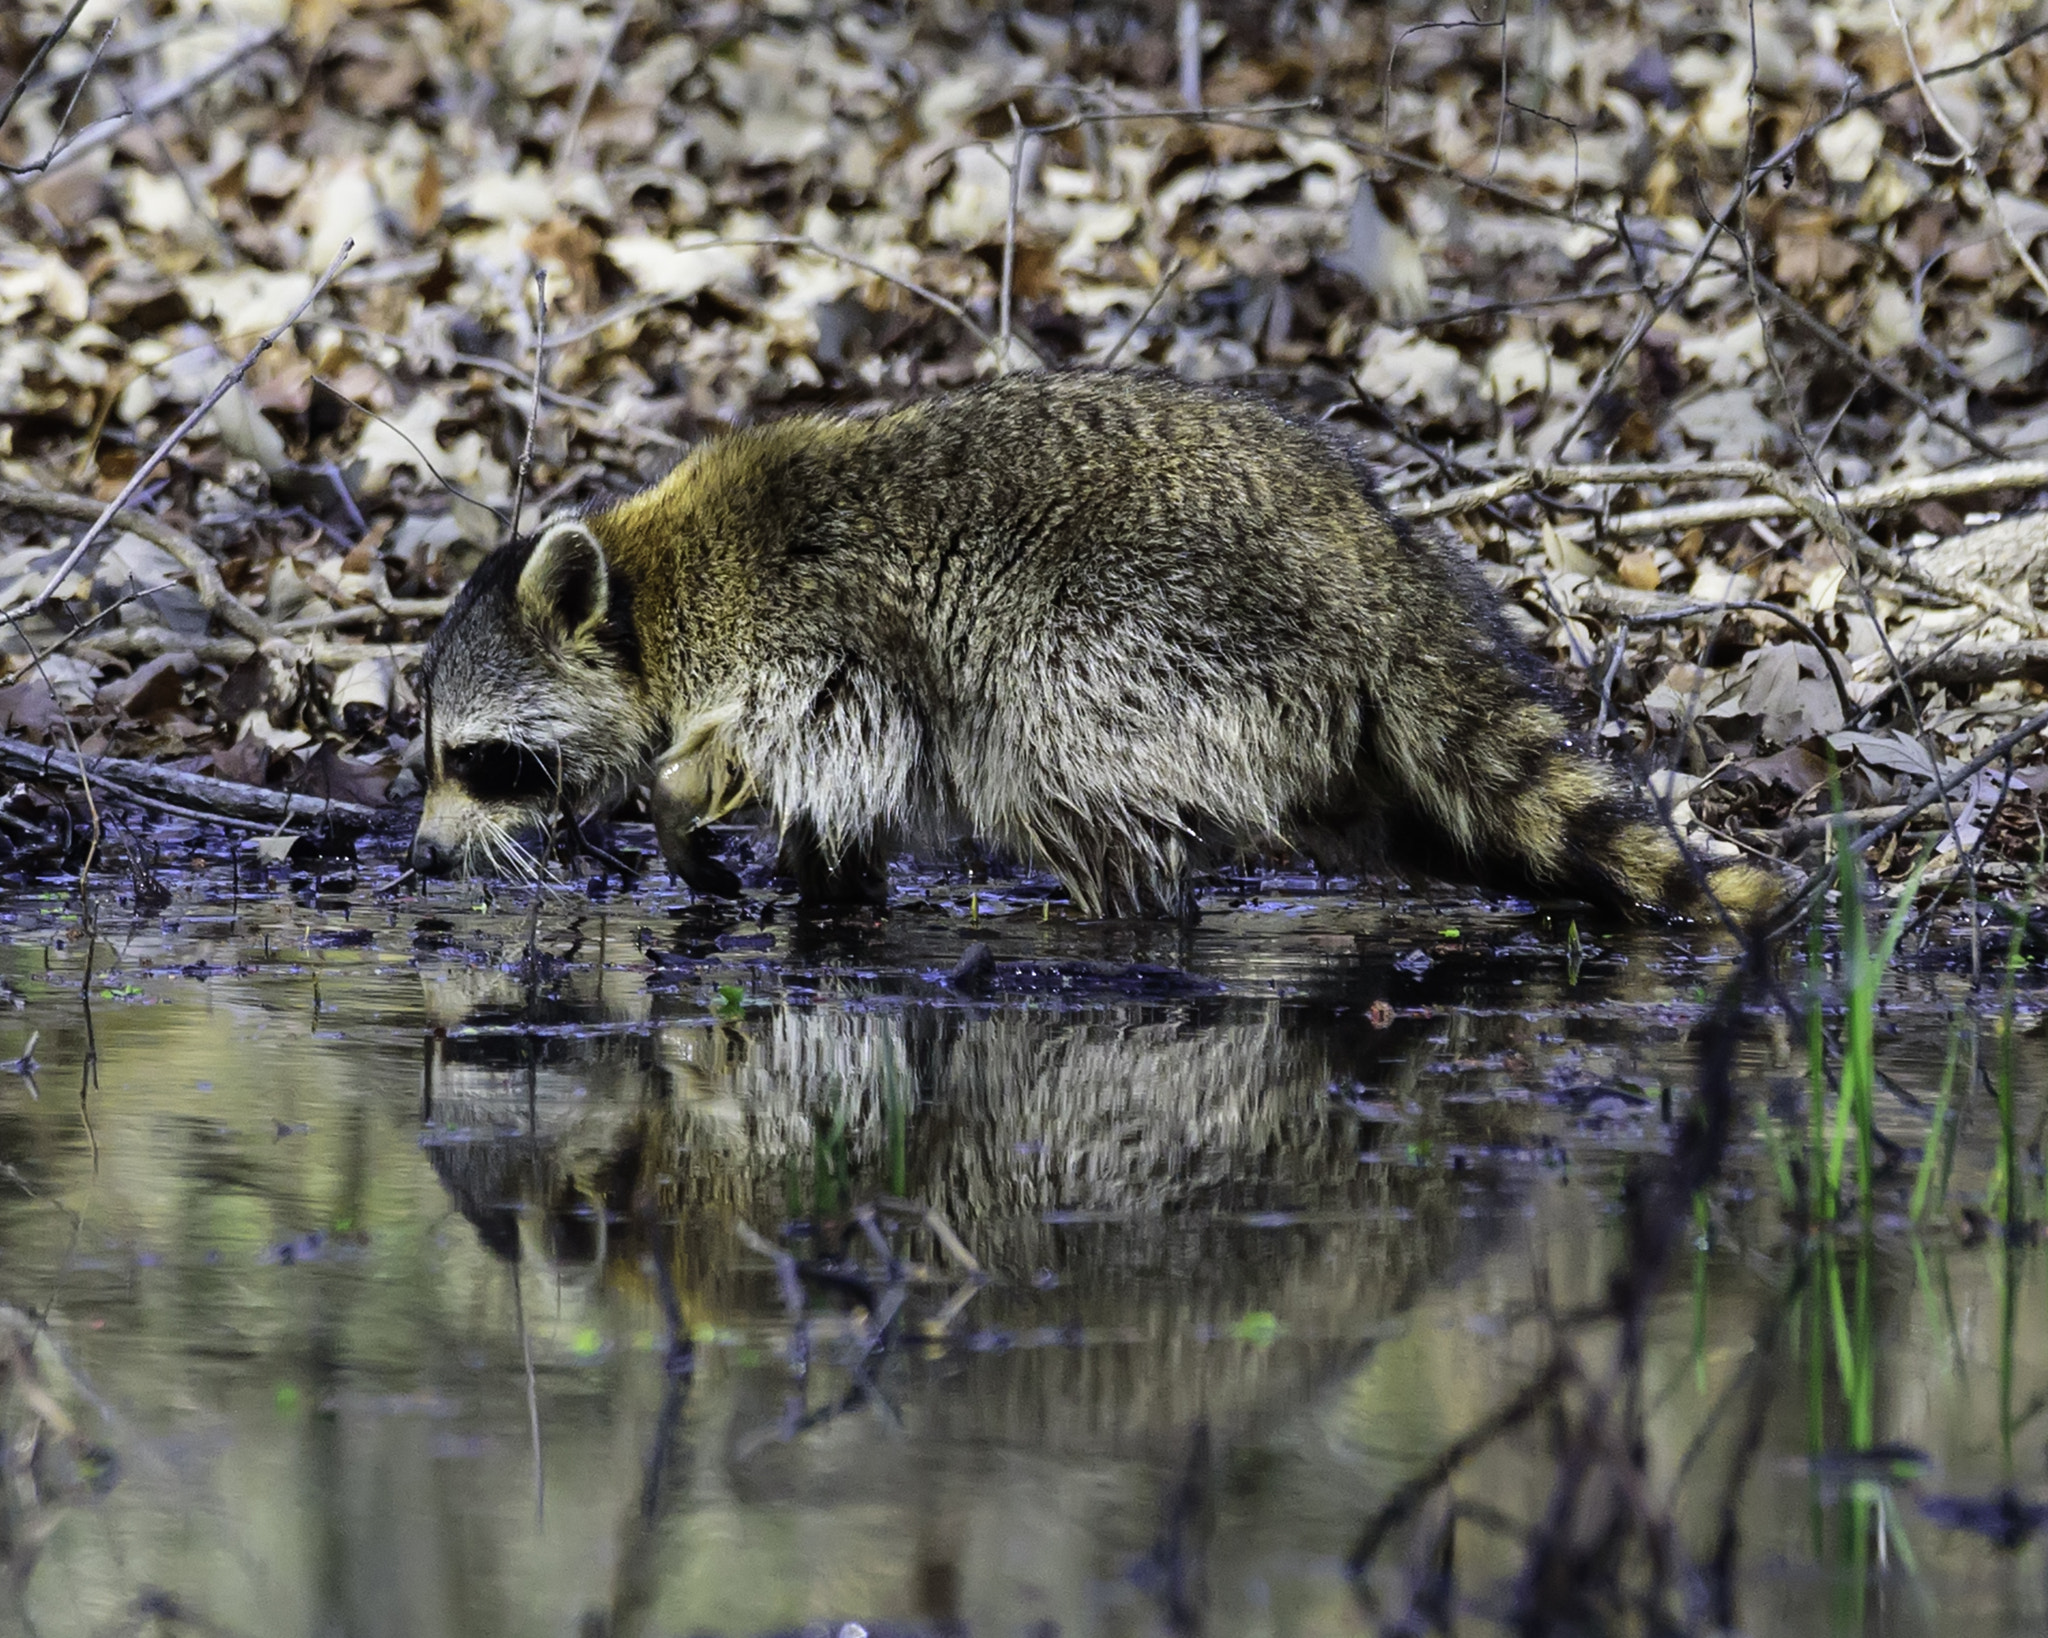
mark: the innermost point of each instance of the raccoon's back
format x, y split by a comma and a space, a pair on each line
1061, 502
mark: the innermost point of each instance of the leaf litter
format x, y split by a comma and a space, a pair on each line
1595, 248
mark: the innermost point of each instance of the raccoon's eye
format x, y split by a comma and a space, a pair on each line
499, 771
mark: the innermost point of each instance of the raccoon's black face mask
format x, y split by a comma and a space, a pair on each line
531, 704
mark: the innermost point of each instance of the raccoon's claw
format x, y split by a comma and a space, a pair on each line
693, 860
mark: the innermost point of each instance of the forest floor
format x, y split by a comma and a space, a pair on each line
1720, 335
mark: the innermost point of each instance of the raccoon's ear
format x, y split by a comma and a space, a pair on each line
564, 589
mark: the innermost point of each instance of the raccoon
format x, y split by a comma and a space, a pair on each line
1110, 622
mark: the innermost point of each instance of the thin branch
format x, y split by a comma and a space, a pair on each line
147, 642
179, 91
150, 463
50, 42
1813, 639
1221, 114
1965, 156
1166, 279
1785, 498
1648, 317
57, 144
1825, 334
1503, 1419
1889, 495
540, 353
1010, 241
426, 460
1886, 495
789, 241
565, 150
1794, 908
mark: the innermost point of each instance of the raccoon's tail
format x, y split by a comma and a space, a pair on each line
1499, 785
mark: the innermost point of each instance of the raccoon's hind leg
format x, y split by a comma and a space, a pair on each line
857, 875
1127, 871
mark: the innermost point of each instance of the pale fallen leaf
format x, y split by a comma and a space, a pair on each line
1403, 367
1850, 146
1525, 365
678, 268
1383, 258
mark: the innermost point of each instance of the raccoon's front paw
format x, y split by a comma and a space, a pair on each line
693, 788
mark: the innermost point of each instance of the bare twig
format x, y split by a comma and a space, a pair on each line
540, 354
1784, 498
1965, 156
1657, 308
786, 241
50, 42
99, 51
1869, 497
532, 1391
1541, 475
432, 468
363, 614
565, 150
1016, 169
1825, 334
1166, 279
1813, 639
171, 95
790, 1282
171, 440
1411, 1494
1223, 114
147, 642
1188, 44
1795, 906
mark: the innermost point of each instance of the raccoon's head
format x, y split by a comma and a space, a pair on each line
533, 704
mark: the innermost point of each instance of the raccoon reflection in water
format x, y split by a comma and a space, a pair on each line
1129, 1172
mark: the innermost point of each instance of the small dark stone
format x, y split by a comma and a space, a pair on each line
976, 967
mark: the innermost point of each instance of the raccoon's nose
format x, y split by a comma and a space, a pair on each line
432, 858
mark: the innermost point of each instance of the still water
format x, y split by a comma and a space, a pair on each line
363, 1275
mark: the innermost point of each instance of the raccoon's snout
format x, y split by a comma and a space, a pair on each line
513, 853
459, 836
435, 858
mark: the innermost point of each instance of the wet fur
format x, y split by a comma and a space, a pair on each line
1112, 622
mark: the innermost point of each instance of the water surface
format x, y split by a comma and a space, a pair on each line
399, 1283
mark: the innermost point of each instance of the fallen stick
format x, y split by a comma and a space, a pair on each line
190, 556
1827, 513
147, 642
1819, 824
1974, 665
1956, 663
197, 794
1869, 497
368, 614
